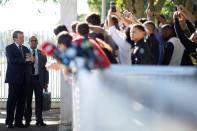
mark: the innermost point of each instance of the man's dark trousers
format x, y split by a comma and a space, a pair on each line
16, 99
38, 91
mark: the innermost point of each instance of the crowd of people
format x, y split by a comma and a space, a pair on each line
126, 40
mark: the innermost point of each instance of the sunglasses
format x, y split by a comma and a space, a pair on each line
34, 40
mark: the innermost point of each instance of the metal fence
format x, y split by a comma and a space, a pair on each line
3, 86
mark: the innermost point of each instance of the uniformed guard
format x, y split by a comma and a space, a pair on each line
141, 53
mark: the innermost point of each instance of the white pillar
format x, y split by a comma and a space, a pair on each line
65, 104
103, 10
68, 9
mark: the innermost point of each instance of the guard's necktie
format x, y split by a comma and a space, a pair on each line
21, 50
33, 69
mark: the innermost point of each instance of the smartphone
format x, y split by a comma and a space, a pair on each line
175, 8
113, 6
126, 13
28, 55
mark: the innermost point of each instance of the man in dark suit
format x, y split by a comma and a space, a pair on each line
39, 81
17, 77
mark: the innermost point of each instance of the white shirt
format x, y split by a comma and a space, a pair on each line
19, 47
17, 44
178, 52
125, 49
36, 61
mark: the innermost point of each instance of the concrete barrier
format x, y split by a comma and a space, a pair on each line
136, 98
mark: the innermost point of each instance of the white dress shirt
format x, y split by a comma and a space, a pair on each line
16, 44
21, 50
36, 61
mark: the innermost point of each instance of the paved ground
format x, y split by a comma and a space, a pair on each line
52, 118
32, 128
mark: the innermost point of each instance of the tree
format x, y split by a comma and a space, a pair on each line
96, 5
138, 7
2, 2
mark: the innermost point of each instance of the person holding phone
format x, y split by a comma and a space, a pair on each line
190, 44
113, 6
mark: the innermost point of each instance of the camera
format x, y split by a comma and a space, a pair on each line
175, 8
126, 13
113, 6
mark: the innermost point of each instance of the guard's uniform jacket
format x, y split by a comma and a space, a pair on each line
141, 54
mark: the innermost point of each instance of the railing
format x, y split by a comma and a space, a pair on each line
54, 81
3, 86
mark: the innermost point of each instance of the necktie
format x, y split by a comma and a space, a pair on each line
34, 52
33, 69
21, 50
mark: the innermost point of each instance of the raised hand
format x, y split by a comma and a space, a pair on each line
29, 58
176, 15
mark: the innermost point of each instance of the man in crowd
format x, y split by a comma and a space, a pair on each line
83, 31
173, 50
153, 43
94, 22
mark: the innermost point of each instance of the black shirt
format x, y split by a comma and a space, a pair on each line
142, 54
153, 44
168, 51
191, 47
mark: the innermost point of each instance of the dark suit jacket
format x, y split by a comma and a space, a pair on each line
18, 71
43, 73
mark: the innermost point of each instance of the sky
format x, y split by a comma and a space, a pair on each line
34, 15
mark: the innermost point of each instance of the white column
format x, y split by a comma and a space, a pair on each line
103, 10
65, 104
68, 9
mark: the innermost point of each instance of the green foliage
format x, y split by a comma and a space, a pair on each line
120, 5
81, 17
96, 5
48, 0
168, 9
3, 2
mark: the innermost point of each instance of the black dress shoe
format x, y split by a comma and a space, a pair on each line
20, 125
10, 126
40, 124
